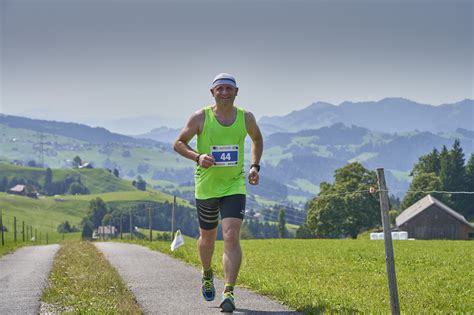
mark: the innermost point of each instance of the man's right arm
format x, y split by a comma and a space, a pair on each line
193, 127
187, 133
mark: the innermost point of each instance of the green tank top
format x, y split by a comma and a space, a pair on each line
226, 144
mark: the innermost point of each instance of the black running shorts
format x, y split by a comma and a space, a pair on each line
208, 210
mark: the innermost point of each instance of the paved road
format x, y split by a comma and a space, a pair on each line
23, 276
164, 285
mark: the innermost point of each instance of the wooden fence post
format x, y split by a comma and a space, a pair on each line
389, 257
149, 222
23, 230
131, 231
121, 227
1, 228
14, 229
173, 211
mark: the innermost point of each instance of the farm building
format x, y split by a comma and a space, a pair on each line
429, 219
24, 190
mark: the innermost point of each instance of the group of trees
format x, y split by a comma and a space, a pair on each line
120, 215
345, 208
255, 229
139, 183
444, 170
65, 227
69, 184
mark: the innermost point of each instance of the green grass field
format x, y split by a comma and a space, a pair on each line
348, 276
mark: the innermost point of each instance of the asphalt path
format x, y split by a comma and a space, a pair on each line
23, 276
164, 285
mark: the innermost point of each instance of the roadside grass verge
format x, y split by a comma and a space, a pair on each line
83, 281
349, 276
10, 248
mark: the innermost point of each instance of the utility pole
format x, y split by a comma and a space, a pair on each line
389, 257
41, 150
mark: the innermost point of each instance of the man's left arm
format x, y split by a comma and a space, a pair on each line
256, 148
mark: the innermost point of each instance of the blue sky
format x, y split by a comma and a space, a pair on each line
97, 61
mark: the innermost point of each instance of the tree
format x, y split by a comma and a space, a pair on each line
107, 219
457, 178
468, 200
140, 183
393, 216
281, 223
4, 184
77, 161
116, 172
336, 212
65, 227
97, 211
304, 232
429, 163
87, 229
421, 184
245, 232
77, 188
48, 182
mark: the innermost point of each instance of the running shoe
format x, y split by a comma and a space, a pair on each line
228, 303
208, 290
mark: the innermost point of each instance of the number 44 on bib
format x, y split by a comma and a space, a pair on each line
225, 155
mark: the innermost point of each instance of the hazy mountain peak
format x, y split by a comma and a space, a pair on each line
391, 114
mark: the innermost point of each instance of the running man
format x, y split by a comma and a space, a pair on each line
220, 179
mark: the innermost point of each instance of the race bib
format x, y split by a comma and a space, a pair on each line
225, 155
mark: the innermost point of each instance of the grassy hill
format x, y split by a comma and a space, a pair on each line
46, 213
96, 180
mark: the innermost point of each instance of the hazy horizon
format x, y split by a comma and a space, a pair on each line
104, 60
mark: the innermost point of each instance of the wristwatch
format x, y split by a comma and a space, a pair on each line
256, 166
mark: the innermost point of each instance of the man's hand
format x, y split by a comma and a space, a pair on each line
253, 176
206, 160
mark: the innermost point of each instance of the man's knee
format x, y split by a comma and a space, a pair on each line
231, 235
207, 237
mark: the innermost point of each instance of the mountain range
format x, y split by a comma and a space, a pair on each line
387, 115
302, 149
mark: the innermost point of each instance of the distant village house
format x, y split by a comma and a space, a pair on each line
429, 219
105, 232
85, 165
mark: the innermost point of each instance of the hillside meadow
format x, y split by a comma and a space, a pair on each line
349, 276
46, 213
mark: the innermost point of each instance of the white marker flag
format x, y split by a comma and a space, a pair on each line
177, 241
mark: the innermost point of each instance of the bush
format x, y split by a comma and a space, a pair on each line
164, 236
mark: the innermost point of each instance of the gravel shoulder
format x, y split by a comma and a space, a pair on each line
23, 276
166, 285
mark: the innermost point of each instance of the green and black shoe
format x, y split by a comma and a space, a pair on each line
208, 290
228, 303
